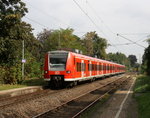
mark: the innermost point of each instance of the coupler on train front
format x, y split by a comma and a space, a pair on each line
56, 81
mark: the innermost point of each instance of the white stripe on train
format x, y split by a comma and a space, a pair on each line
85, 78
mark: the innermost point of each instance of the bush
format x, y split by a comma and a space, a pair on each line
34, 82
2, 75
32, 67
10, 75
142, 86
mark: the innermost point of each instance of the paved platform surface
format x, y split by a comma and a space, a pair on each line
120, 105
19, 91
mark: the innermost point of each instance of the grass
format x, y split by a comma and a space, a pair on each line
142, 84
34, 82
143, 105
142, 96
25, 83
8, 86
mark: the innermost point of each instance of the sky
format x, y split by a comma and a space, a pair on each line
128, 18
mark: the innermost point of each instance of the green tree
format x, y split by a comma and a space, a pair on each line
12, 31
59, 39
119, 58
146, 59
100, 45
88, 43
133, 60
95, 45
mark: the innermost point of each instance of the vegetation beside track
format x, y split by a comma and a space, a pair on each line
8, 86
25, 83
142, 96
34, 82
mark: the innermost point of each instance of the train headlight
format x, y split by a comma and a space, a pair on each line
68, 71
46, 71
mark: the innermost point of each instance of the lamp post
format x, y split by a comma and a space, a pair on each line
23, 60
59, 45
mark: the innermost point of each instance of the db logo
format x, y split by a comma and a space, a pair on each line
57, 72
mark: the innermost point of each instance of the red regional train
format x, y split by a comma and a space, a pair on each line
63, 67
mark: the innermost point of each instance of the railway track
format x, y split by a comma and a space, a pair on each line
7, 102
76, 106
41, 101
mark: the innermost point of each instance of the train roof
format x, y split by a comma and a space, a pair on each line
84, 56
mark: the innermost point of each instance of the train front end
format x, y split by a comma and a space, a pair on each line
55, 67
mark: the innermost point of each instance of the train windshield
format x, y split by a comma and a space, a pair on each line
58, 61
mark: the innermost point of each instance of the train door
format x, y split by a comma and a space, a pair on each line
90, 68
97, 69
86, 73
82, 68
108, 68
102, 69
78, 68
105, 68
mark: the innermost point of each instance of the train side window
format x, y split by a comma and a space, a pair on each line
83, 65
92, 67
78, 67
101, 67
97, 67
89, 67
